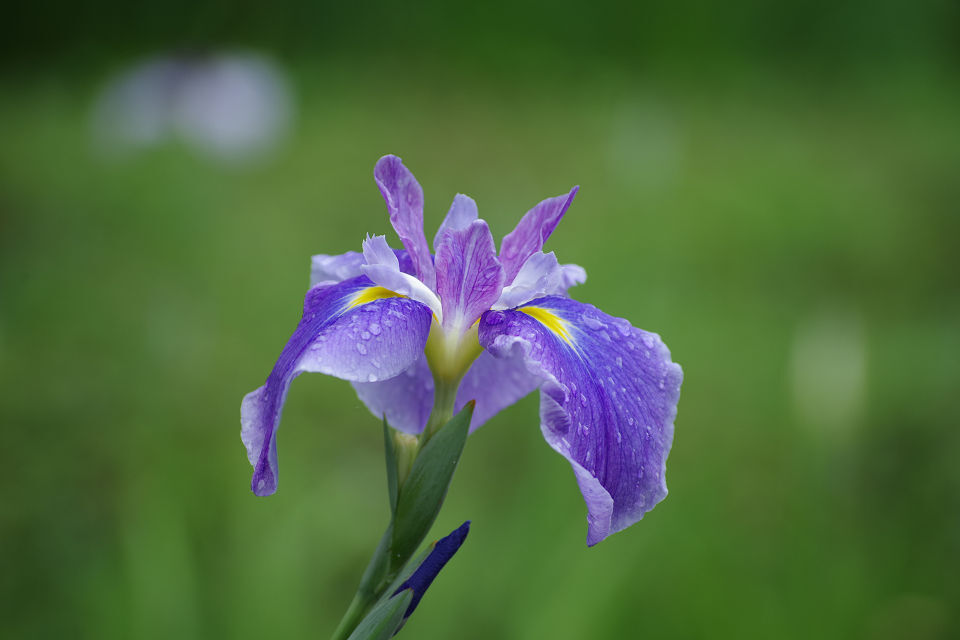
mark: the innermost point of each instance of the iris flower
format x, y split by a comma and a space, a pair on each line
419, 334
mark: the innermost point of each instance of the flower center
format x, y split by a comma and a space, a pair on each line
450, 354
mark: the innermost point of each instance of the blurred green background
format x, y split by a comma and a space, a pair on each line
772, 187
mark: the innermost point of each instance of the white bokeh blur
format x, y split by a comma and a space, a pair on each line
228, 107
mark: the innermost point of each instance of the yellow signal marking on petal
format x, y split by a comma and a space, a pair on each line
369, 295
551, 321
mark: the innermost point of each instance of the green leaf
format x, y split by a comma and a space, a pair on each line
384, 620
392, 481
422, 493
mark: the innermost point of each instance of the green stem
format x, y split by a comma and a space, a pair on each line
444, 397
381, 572
375, 580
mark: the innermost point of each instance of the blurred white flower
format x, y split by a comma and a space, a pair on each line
229, 106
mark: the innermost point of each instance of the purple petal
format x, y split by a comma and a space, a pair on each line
349, 331
607, 401
573, 274
440, 553
382, 266
532, 232
326, 269
405, 203
469, 276
462, 212
406, 400
495, 384
541, 275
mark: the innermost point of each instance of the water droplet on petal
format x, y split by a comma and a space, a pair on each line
371, 378
362, 348
619, 361
374, 329
593, 323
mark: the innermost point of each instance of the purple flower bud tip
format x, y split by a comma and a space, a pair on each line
443, 550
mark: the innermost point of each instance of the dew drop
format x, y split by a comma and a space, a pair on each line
365, 335
362, 348
619, 361
375, 329
592, 323
371, 378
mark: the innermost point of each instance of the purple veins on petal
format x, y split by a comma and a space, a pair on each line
469, 276
494, 384
328, 339
405, 399
532, 232
462, 212
404, 198
608, 399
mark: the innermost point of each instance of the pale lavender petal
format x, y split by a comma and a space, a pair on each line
382, 266
404, 198
541, 275
532, 232
608, 401
326, 269
573, 274
406, 400
469, 276
495, 384
367, 341
462, 212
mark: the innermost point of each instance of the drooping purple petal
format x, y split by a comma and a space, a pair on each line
404, 198
462, 212
326, 269
607, 401
469, 276
494, 384
382, 266
406, 399
532, 232
349, 330
541, 275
